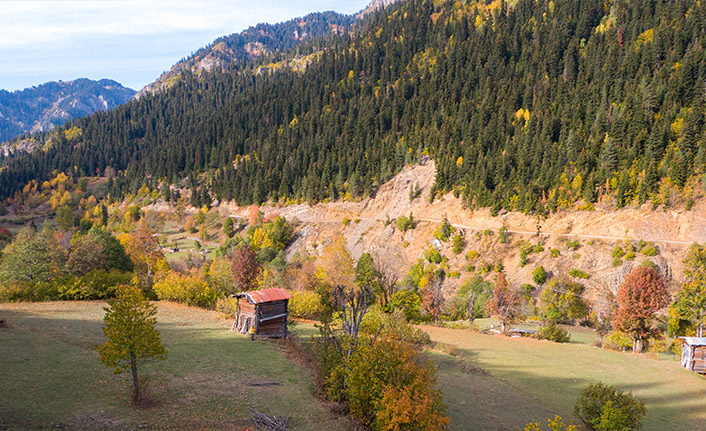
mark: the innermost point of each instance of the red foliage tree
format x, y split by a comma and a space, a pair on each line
640, 295
245, 267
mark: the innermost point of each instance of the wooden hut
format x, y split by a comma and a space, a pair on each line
264, 310
693, 354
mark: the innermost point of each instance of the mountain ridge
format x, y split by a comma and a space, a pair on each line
253, 43
41, 108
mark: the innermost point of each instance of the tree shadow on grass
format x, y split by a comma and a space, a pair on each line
513, 395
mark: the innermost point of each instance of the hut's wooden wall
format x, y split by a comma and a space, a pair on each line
272, 319
700, 359
268, 318
694, 358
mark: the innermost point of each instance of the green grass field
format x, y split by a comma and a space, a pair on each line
531, 379
51, 376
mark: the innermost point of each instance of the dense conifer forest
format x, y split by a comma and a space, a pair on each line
524, 105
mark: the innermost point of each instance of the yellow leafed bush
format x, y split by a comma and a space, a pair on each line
186, 289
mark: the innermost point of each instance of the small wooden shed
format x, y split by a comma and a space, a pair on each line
693, 354
265, 310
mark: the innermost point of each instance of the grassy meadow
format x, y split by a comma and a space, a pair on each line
491, 382
51, 376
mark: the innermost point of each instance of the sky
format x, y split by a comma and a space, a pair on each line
130, 41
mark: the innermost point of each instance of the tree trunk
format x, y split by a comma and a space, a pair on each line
700, 330
637, 345
471, 306
135, 381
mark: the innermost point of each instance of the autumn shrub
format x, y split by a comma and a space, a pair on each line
412, 404
384, 383
394, 325
187, 289
539, 275
25, 291
409, 302
432, 255
605, 408
472, 256
226, 307
5, 234
526, 289
304, 304
562, 301
556, 424
405, 223
458, 243
502, 235
444, 231
96, 284
552, 332
458, 304
577, 273
650, 249
617, 252
617, 340
573, 245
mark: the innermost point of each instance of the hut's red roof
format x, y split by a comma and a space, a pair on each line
267, 295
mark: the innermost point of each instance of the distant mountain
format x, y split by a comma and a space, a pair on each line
40, 108
256, 43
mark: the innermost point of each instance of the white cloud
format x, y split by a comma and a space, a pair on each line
64, 39
30, 22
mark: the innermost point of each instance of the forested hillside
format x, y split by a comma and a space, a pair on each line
527, 106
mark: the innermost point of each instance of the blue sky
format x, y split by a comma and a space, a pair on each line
130, 41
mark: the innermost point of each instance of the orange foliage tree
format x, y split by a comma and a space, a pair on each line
142, 247
640, 295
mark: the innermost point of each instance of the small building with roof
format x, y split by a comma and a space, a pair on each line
693, 354
265, 311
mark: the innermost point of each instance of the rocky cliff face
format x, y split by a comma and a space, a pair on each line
375, 5
41, 108
569, 240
